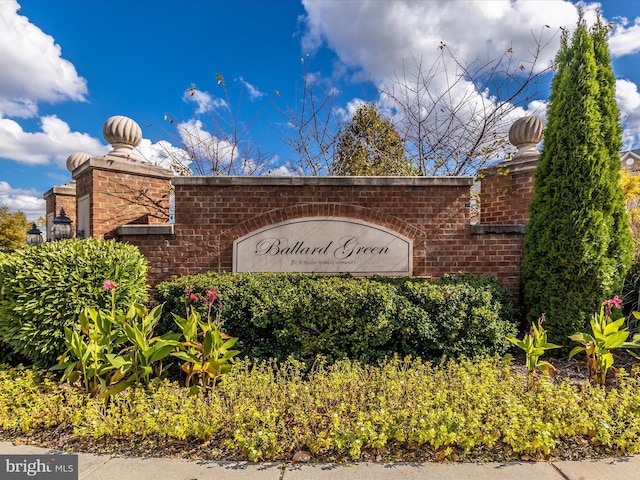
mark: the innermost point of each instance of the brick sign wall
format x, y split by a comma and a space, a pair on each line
394, 225
122, 193
431, 215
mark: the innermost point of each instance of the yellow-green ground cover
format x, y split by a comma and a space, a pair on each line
400, 410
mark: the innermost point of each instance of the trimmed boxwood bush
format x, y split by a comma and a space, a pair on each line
44, 288
470, 315
277, 315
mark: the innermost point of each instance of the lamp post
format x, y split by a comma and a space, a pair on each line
62, 228
34, 236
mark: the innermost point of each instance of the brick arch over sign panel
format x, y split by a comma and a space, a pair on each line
324, 210
212, 212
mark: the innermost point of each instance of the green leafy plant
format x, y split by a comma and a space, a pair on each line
206, 350
45, 288
607, 335
111, 351
534, 344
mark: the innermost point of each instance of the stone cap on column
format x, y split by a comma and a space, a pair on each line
124, 134
76, 159
108, 163
66, 189
525, 134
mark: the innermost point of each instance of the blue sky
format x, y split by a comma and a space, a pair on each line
68, 65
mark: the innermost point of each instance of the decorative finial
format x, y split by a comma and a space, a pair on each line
525, 134
124, 134
76, 159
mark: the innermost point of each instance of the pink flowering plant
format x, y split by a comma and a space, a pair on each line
206, 351
112, 350
606, 335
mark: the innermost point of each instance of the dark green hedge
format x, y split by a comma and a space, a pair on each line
45, 287
277, 315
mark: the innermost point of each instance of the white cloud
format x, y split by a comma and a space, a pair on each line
538, 108
377, 36
55, 142
204, 145
625, 40
347, 113
18, 107
627, 95
163, 154
628, 99
204, 101
33, 69
254, 93
28, 201
379, 39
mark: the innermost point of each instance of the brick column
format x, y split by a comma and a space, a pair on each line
507, 188
506, 192
113, 191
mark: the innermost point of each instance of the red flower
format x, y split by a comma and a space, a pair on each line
617, 302
612, 302
212, 294
210, 297
193, 297
109, 285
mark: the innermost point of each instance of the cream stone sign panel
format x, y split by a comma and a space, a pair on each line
324, 245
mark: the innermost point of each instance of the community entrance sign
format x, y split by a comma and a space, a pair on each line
324, 245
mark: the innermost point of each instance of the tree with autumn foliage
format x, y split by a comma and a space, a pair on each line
630, 185
13, 229
370, 145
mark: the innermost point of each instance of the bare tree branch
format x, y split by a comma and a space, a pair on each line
455, 114
312, 125
219, 143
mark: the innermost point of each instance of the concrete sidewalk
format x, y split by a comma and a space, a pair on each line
106, 467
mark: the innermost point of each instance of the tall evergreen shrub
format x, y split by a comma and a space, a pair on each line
578, 244
621, 240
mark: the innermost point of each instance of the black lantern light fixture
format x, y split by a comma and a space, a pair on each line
62, 228
34, 236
